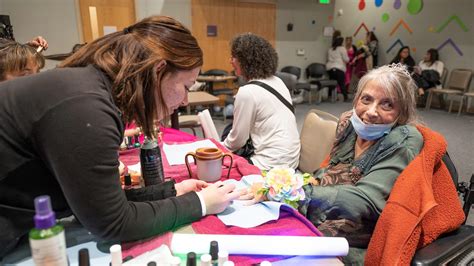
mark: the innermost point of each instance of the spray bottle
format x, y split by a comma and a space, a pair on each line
47, 242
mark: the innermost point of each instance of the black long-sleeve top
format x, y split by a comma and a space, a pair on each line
60, 134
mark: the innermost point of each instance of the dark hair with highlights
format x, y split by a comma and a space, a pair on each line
257, 57
14, 57
130, 57
434, 56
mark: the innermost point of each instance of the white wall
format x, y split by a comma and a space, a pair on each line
305, 34
178, 9
55, 20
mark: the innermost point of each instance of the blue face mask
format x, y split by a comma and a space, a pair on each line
372, 131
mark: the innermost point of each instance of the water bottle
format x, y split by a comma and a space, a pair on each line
151, 162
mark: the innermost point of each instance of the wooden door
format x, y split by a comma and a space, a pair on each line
100, 17
231, 17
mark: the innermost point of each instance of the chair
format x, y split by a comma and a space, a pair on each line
466, 96
191, 122
458, 84
317, 137
289, 79
297, 72
453, 247
317, 77
219, 72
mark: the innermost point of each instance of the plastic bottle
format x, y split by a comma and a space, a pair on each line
84, 259
116, 255
151, 162
214, 252
136, 141
191, 259
47, 242
127, 182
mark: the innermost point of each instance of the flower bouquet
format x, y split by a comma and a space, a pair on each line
283, 185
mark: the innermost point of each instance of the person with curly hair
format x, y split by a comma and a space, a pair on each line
258, 114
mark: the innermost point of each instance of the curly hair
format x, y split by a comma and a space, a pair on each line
257, 57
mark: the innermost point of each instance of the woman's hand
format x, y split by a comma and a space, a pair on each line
189, 185
218, 196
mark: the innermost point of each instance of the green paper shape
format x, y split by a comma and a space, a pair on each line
455, 19
415, 6
385, 17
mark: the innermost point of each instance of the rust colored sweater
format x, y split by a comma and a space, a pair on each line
423, 204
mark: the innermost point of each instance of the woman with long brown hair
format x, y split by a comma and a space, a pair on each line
63, 128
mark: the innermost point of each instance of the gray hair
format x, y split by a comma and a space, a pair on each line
398, 84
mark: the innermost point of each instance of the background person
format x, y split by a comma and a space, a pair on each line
258, 114
336, 64
17, 60
431, 70
403, 57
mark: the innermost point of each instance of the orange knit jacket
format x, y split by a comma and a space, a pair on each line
423, 205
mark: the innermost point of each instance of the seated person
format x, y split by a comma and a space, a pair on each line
430, 70
258, 114
403, 57
374, 143
18, 60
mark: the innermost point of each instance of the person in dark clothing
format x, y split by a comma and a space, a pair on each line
373, 44
403, 57
62, 128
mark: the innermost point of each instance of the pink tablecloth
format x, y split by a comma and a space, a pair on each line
290, 221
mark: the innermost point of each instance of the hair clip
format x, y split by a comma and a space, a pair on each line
127, 30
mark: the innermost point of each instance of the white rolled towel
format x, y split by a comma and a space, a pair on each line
207, 124
262, 244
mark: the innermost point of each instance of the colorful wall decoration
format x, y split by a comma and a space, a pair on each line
451, 19
362, 25
399, 42
450, 41
401, 23
397, 4
413, 8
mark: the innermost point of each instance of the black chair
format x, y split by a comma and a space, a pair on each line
457, 247
218, 72
289, 79
317, 76
297, 72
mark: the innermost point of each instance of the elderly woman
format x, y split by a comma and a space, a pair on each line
374, 143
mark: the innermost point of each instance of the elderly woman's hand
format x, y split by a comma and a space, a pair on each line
252, 195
